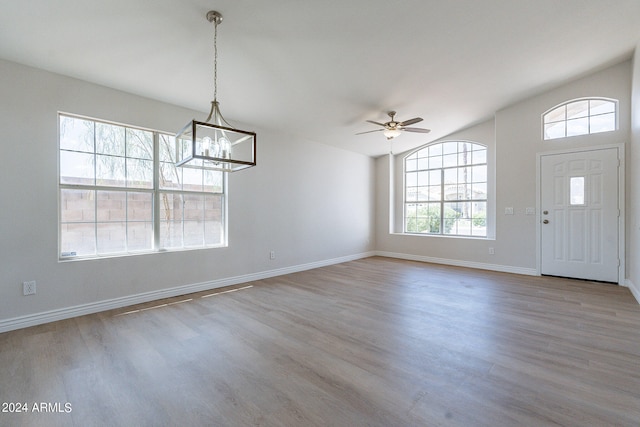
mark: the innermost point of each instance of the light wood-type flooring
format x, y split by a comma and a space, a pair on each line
373, 342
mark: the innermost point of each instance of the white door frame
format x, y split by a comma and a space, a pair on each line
621, 203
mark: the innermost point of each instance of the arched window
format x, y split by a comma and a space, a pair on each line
580, 117
445, 189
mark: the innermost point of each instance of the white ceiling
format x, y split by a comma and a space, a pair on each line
319, 69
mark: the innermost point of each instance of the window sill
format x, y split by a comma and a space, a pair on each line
445, 236
132, 254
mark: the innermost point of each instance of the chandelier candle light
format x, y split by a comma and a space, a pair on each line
214, 144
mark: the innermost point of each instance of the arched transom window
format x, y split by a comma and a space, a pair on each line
446, 189
580, 117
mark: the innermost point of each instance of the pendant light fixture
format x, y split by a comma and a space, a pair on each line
214, 144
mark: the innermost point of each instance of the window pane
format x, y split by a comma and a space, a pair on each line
576, 190
192, 179
435, 162
601, 106
479, 157
423, 178
435, 193
110, 171
451, 176
449, 160
213, 233
111, 206
76, 168
452, 211
578, 127
140, 236
423, 163
555, 130
170, 176
435, 150
449, 148
479, 219
139, 144
139, 207
557, 115
213, 181
577, 109
76, 134
435, 177
193, 233
139, 173
170, 234
112, 237
167, 148
193, 207
411, 179
479, 173
170, 207
410, 217
77, 205
411, 194
411, 165
479, 191
110, 139
78, 239
603, 123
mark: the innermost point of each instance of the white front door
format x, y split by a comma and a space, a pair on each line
579, 214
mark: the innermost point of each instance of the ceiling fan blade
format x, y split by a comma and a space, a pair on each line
376, 123
369, 131
411, 121
417, 130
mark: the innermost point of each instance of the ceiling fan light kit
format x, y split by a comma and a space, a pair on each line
393, 129
214, 144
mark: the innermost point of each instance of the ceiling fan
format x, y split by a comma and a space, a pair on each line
393, 128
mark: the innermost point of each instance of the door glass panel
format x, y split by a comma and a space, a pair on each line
576, 190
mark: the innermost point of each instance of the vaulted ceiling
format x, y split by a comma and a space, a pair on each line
319, 69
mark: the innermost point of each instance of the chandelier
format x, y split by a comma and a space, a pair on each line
214, 144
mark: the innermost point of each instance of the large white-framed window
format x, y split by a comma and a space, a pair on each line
580, 117
445, 189
120, 193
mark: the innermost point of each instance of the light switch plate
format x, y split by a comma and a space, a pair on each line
508, 211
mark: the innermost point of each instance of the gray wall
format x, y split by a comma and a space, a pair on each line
514, 139
309, 202
633, 205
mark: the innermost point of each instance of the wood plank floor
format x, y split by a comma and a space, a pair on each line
373, 342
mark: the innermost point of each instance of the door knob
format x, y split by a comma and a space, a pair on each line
546, 212
546, 221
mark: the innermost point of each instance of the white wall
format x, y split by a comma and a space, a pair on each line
311, 203
518, 138
633, 184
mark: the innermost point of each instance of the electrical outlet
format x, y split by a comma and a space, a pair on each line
272, 255
492, 251
29, 288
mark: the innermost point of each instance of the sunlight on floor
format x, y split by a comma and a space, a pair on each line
140, 310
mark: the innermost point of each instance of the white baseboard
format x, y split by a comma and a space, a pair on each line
635, 289
95, 307
461, 263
